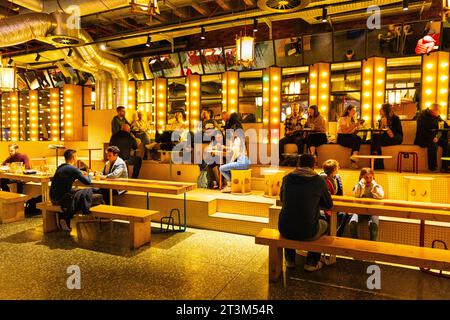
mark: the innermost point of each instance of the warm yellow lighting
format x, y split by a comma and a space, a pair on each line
232, 111
68, 92
313, 75
379, 93
233, 81
324, 85
428, 91
380, 81
429, 65
444, 64
367, 82
275, 120
366, 94
427, 104
444, 78
444, 91
312, 86
233, 101
324, 97
275, 109
366, 106
313, 97
429, 78
324, 74
367, 70
275, 99
265, 120
380, 69
323, 108
233, 91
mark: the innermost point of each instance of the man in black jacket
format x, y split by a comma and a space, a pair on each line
428, 137
303, 193
126, 142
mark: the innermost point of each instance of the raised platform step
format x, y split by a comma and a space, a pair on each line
240, 217
243, 207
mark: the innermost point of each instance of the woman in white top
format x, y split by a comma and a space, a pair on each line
239, 159
347, 132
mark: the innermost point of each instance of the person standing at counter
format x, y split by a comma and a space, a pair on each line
347, 133
393, 135
315, 122
427, 121
14, 156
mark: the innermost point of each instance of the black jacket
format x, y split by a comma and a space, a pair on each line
125, 142
425, 123
303, 193
77, 200
396, 127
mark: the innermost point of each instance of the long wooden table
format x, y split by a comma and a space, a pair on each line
44, 180
147, 186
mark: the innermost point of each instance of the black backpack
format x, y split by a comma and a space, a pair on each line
30, 206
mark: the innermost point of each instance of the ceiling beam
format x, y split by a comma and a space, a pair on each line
200, 8
224, 4
179, 12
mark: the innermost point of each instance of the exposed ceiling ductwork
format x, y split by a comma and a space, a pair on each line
51, 28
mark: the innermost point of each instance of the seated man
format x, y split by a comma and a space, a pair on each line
14, 156
141, 128
303, 192
126, 143
291, 124
61, 192
115, 168
426, 137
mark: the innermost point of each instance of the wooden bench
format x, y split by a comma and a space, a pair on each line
139, 219
12, 206
359, 249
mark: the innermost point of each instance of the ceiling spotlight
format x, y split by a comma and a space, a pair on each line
103, 46
324, 14
149, 41
405, 5
38, 57
203, 34
69, 54
255, 25
10, 61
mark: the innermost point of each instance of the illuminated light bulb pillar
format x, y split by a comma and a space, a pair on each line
193, 101
131, 96
161, 103
373, 88
73, 104
34, 115
54, 114
435, 75
319, 87
230, 91
272, 102
14, 100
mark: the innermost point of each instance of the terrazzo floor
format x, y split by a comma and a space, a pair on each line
197, 264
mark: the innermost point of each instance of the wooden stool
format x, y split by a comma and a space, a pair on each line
241, 181
12, 206
405, 154
272, 182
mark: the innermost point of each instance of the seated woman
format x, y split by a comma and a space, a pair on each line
164, 140
239, 159
393, 135
347, 133
316, 122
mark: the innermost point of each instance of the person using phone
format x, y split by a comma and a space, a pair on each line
366, 187
347, 133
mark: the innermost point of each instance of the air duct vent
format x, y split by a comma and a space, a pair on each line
66, 41
282, 6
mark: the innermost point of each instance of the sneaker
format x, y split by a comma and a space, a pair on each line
311, 268
289, 264
63, 225
327, 260
226, 189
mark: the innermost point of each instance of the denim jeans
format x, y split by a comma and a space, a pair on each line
312, 258
242, 163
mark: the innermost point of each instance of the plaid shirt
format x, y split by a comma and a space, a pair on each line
292, 123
